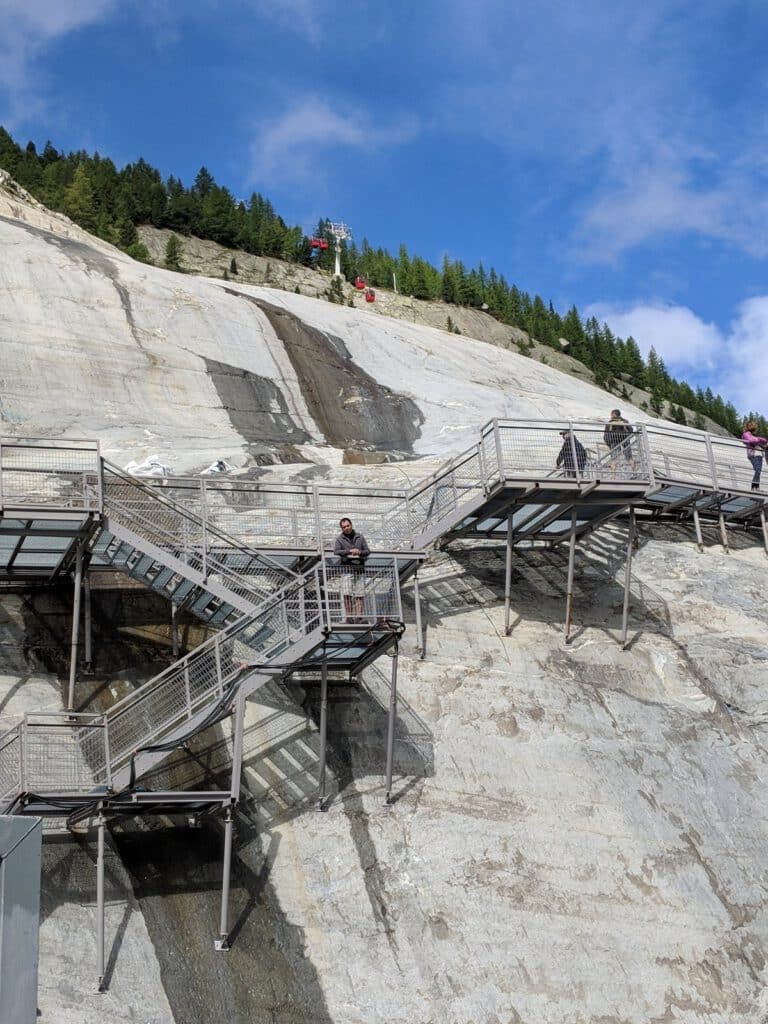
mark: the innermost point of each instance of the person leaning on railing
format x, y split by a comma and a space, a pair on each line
618, 438
352, 551
755, 449
572, 454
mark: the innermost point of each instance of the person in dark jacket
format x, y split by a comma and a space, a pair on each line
352, 551
618, 438
573, 454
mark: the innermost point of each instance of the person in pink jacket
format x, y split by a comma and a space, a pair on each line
755, 448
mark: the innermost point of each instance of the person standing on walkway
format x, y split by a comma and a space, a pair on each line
352, 550
618, 438
756, 446
573, 454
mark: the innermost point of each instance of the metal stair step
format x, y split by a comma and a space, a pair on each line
161, 579
183, 590
222, 614
202, 603
143, 565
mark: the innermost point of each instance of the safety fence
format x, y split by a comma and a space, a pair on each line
300, 517
173, 530
40, 473
64, 753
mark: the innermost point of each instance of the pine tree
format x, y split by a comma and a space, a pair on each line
78, 200
174, 250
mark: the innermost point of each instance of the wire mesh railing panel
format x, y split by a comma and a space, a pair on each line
489, 455
158, 706
733, 470
10, 764
362, 593
165, 702
679, 456
61, 755
175, 531
251, 513
50, 475
443, 494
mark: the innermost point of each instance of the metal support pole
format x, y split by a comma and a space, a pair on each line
697, 524
391, 726
75, 627
175, 629
88, 622
100, 822
508, 578
421, 639
627, 579
237, 747
204, 519
765, 529
569, 590
221, 944
724, 534
323, 731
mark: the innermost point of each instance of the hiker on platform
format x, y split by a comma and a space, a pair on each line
756, 446
618, 438
572, 455
352, 551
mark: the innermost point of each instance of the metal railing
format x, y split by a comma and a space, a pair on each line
304, 517
49, 752
175, 531
289, 517
40, 473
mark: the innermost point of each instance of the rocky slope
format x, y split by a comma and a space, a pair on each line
579, 832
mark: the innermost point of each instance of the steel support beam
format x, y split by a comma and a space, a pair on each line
391, 726
88, 622
421, 636
75, 627
175, 629
569, 589
627, 578
508, 577
697, 524
100, 825
222, 943
323, 732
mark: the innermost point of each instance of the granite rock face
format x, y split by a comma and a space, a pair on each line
151, 361
579, 832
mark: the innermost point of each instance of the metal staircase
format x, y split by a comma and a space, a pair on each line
523, 482
168, 548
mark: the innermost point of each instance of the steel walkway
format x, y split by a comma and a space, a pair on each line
252, 561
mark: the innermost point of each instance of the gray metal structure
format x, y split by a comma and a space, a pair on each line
254, 562
20, 857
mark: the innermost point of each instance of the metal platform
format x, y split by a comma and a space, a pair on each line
255, 561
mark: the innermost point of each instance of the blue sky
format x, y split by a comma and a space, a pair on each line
607, 154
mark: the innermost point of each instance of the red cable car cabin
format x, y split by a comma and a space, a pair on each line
359, 283
315, 243
323, 244
370, 295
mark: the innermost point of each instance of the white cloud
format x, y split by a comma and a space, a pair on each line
637, 114
288, 148
303, 17
681, 338
29, 26
688, 344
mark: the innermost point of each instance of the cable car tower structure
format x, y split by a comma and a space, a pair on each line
339, 233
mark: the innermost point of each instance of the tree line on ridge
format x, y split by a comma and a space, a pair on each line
110, 203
